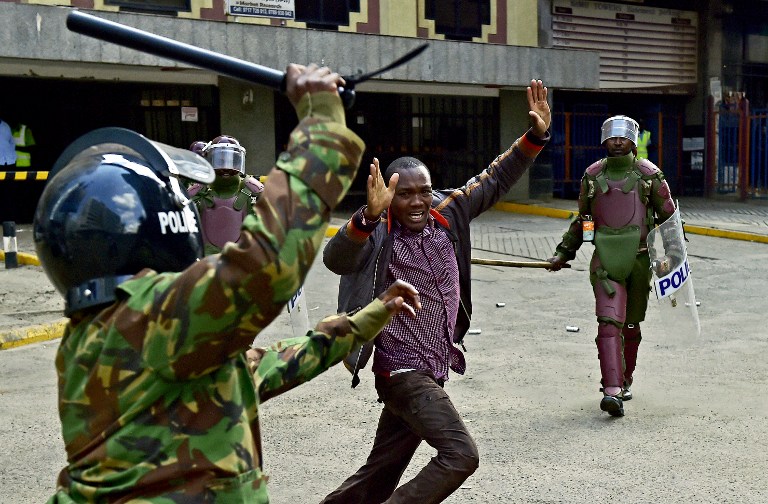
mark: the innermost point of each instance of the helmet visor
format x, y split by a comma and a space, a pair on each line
227, 157
619, 126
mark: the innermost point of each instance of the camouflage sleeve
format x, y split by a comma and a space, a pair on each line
291, 362
187, 324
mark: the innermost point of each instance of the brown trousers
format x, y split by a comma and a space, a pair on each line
416, 408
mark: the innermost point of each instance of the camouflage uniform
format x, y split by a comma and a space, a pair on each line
156, 399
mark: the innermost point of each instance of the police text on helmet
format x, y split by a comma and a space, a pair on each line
177, 221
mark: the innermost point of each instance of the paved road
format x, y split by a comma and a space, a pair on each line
695, 432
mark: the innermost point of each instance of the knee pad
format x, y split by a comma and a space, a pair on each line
611, 307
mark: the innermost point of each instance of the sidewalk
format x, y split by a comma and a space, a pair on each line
724, 219
720, 218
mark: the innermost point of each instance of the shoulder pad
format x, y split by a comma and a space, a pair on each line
646, 168
594, 168
194, 189
253, 184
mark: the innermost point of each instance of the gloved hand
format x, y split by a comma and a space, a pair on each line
662, 265
557, 263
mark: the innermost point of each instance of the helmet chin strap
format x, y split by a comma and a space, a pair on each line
91, 294
178, 194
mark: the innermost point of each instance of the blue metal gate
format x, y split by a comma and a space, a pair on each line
758, 153
727, 175
575, 145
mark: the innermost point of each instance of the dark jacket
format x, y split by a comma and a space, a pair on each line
363, 267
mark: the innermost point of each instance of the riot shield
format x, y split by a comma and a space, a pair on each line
672, 282
299, 313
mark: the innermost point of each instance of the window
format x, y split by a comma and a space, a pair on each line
153, 6
459, 19
326, 14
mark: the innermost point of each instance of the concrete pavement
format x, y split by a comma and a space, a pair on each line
718, 218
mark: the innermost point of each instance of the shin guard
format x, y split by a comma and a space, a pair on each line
632, 338
609, 351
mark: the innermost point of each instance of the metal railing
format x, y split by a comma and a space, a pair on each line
737, 150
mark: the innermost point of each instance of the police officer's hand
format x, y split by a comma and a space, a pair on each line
401, 296
300, 79
539, 108
379, 194
253, 357
557, 263
663, 265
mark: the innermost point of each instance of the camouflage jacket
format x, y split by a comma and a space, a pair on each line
156, 399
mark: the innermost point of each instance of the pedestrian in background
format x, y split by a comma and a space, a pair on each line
22, 137
622, 197
409, 231
643, 140
7, 147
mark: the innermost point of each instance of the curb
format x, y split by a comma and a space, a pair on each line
34, 334
557, 213
23, 258
723, 233
567, 214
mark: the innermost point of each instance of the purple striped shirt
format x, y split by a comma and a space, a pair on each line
425, 343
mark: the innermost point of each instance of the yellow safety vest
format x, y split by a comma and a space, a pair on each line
22, 137
643, 140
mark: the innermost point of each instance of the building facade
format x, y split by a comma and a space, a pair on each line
456, 106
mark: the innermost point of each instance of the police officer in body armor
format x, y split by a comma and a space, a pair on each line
224, 204
622, 197
158, 397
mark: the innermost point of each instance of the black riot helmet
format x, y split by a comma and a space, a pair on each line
113, 206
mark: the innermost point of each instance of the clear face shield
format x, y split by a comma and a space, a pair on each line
227, 156
620, 126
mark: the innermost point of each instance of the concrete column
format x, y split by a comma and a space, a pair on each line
248, 114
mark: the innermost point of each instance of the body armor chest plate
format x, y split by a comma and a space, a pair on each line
617, 209
221, 223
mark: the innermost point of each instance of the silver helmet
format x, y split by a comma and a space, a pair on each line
619, 126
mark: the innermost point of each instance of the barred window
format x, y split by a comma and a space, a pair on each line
459, 19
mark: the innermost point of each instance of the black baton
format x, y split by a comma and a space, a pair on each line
109, 31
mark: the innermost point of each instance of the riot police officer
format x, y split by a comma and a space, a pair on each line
623, 197
224, 204
156, 399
